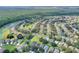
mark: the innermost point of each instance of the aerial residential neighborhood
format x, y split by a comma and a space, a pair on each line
39, 30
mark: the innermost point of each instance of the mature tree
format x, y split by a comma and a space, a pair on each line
27, 41
6, 51
41, 39
10, 36
41, 50
34, 31
34, 48
14, 51
76, 45
27, 48
58, 38
45, 41
29, 36
24, 49
68, 50
53, 44
20, 36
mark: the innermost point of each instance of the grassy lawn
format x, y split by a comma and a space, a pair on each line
9, 47
26, 27
29, 26
5, 33
35, 39
23, 41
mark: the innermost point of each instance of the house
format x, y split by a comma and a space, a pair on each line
42, 45
51, 50
56, 50
46, 48
1, 50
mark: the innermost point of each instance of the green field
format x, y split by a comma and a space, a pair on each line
9, 47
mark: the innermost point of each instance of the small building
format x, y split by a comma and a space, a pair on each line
46, 48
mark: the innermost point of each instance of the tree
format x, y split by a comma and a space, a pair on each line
24, 49
45, 41
41, 39
53, 44
34, 48
29, 36
10, 36
69, 43
34, 31
6, 51
76, 45
50, 35
27, 42
58, 38
41, 50
27, 48
14, 51
20, 36
68, 50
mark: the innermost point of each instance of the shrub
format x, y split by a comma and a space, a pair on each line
6, 51
45, 41
10, 36
53, 44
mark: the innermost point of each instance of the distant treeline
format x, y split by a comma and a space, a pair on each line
59, 14
7, 20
